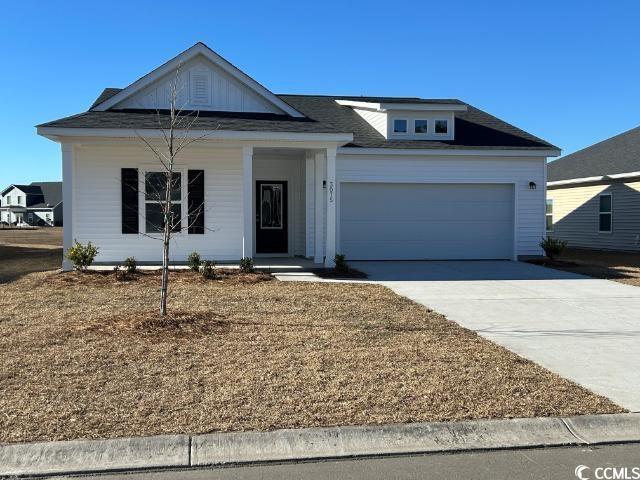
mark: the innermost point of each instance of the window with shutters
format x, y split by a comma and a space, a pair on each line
200, 88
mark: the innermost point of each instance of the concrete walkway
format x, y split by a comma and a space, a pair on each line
585, 329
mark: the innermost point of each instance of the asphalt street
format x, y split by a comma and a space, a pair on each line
535, 464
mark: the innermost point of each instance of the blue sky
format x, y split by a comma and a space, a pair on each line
567, 71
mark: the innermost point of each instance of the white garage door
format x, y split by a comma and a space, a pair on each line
412, 221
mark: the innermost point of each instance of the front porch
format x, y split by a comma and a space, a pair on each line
289, 204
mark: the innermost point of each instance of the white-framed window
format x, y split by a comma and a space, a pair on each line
154, 195
19, 197
605, 213
549, 215
420, 126
441, 127
400, 126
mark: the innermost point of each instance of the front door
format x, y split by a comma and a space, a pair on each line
271, 217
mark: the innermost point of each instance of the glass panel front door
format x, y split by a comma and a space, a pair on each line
271, 217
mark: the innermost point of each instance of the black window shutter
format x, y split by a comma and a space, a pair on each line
129, 181
195, 199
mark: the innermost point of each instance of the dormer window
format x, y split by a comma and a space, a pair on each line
421, 126
442, 127
399, 125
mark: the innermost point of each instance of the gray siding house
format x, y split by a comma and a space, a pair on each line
593, 195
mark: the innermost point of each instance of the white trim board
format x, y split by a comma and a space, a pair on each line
438, 151
53, 132
602, 178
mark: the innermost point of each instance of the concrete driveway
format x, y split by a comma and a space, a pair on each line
585, 329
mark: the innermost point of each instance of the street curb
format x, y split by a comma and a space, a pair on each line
77, 456
167, 451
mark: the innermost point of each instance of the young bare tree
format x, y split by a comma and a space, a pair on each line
176, 134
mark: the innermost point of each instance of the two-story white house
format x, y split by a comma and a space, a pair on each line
36, 204
375, 178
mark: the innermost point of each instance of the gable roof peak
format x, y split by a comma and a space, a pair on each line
106, 102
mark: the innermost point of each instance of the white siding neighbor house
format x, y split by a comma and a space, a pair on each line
375, 178
36, 204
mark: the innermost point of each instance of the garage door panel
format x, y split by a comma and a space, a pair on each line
433, 221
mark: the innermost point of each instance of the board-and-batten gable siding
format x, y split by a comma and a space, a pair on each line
273, 167
462, 169
576, 215
223, 92
97, 203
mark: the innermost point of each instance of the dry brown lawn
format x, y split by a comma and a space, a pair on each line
623, 267
85, 356
25, 251
40, 237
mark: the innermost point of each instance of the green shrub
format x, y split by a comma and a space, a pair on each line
341, 264
552, 247
194, 261
208, 269
82, 256
246, 265
121, 274
130, 264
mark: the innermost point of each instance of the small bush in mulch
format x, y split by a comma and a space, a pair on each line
151, 323
208, 270
553, 247
340, 270
246, 265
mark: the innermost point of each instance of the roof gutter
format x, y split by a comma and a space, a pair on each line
54, 133
488, 152
602, 178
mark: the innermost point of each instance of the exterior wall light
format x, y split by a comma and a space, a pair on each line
532, 185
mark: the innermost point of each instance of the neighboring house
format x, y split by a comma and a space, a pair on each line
594, 195
379, 178
36, 204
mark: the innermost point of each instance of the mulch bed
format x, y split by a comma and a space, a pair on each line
616, 271
350, 274
87, 356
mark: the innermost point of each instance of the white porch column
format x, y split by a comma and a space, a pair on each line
332, 189
247, 201
67, 203
318, 256
310, 198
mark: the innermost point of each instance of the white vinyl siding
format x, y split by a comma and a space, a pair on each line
97, 203
519, 171
377, 120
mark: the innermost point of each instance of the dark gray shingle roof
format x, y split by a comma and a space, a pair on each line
474, 129
619, 154
40, 194
51, 193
